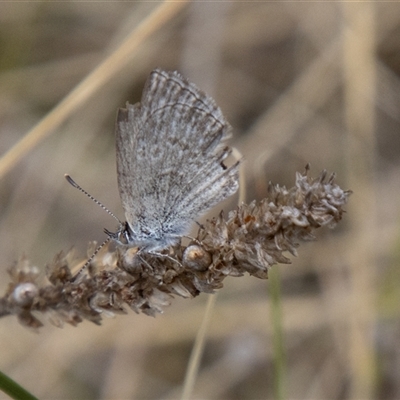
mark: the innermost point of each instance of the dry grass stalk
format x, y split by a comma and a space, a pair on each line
252, 239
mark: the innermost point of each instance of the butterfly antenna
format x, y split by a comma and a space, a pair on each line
75, 185
87, 263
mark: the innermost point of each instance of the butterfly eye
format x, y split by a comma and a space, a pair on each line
123, 238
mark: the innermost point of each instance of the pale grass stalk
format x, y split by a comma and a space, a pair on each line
198, 349
278, 348
91, 84
359, 90
200, 341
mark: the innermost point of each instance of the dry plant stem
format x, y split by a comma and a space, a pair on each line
198, 347
250, 240
93, 82
361, 149
279, 357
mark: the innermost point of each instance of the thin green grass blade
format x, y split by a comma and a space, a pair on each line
15, 391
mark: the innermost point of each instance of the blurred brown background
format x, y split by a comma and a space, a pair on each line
313, 82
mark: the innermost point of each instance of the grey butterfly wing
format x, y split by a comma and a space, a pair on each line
169, 156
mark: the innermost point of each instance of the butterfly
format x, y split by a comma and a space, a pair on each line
170, 161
